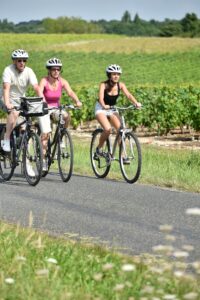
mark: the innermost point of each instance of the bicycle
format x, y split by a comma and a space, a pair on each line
25, 145
130, 156
60, 147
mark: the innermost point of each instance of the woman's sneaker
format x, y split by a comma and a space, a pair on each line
45, 165
126, 161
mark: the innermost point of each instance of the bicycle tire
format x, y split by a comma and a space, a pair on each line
7, 166
32, 159
100, 164
65, 155
48, 158
130, 157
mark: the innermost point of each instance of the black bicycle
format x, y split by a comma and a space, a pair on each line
130, 157
60, 147
26, 148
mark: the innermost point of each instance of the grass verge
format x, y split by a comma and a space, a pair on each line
35, 266
174, 168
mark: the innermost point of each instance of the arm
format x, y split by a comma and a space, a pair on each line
101, 96
129, 95
6, 95
70, 92
41, 87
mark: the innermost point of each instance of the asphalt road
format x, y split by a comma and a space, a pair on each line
123, 216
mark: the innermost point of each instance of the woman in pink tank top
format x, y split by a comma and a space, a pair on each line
52, 86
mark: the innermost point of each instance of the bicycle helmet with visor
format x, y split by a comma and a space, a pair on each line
113, 69
19, 53
53, 62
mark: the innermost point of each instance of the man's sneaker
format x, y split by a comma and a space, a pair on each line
45, 165
126, 161
29, 169
5, 144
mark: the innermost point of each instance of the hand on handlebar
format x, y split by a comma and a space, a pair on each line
10, 106
138, 105
107, 107
78, 103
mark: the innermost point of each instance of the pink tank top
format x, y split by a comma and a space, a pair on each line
53, 96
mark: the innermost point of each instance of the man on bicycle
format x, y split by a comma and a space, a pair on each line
16, 79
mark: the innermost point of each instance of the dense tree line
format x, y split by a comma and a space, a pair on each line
189, 26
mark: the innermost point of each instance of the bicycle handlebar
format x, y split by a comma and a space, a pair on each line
67, 106
114, 108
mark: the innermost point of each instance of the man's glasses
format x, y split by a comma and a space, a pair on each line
22, 60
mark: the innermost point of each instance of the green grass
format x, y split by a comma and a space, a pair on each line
35, 266
174, 168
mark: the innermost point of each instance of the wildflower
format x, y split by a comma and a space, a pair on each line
119, 287
52, 260
98, 276
42, 272
166, 228
107, 267
163, 249
169, 297
128, 268
9, 280
170, 238
180, 254
21, 258
179, 274
190, 296
188, 248
193, 211
147, 290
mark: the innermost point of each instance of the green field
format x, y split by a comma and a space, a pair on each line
145, 61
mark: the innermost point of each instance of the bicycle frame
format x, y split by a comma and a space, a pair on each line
59, 128
120, 134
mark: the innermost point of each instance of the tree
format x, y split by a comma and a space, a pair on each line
190, 25
126, 18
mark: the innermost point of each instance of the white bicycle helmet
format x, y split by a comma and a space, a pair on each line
113, 69
19, 53
53, 62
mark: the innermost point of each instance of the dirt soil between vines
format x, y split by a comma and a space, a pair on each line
174, 140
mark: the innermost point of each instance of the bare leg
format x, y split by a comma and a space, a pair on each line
103, 120
44, 140
11, 122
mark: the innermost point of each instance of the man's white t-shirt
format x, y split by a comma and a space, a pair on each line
19, 81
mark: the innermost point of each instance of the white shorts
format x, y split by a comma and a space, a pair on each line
45, 121
106, 112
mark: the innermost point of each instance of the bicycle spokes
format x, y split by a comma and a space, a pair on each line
130, 158
100, 162
65, 155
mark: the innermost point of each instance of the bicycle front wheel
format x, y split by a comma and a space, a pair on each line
32, 159
65, 155
130, 157
100, 163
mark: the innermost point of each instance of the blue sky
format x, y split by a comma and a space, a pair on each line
25, 10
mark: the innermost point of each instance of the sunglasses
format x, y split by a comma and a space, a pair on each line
56, 69
22, 60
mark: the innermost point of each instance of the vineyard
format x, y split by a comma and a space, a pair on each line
163, 74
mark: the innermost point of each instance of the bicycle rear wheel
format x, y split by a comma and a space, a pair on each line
32, 159
65, 155
130, 157
7, 166
100, 164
